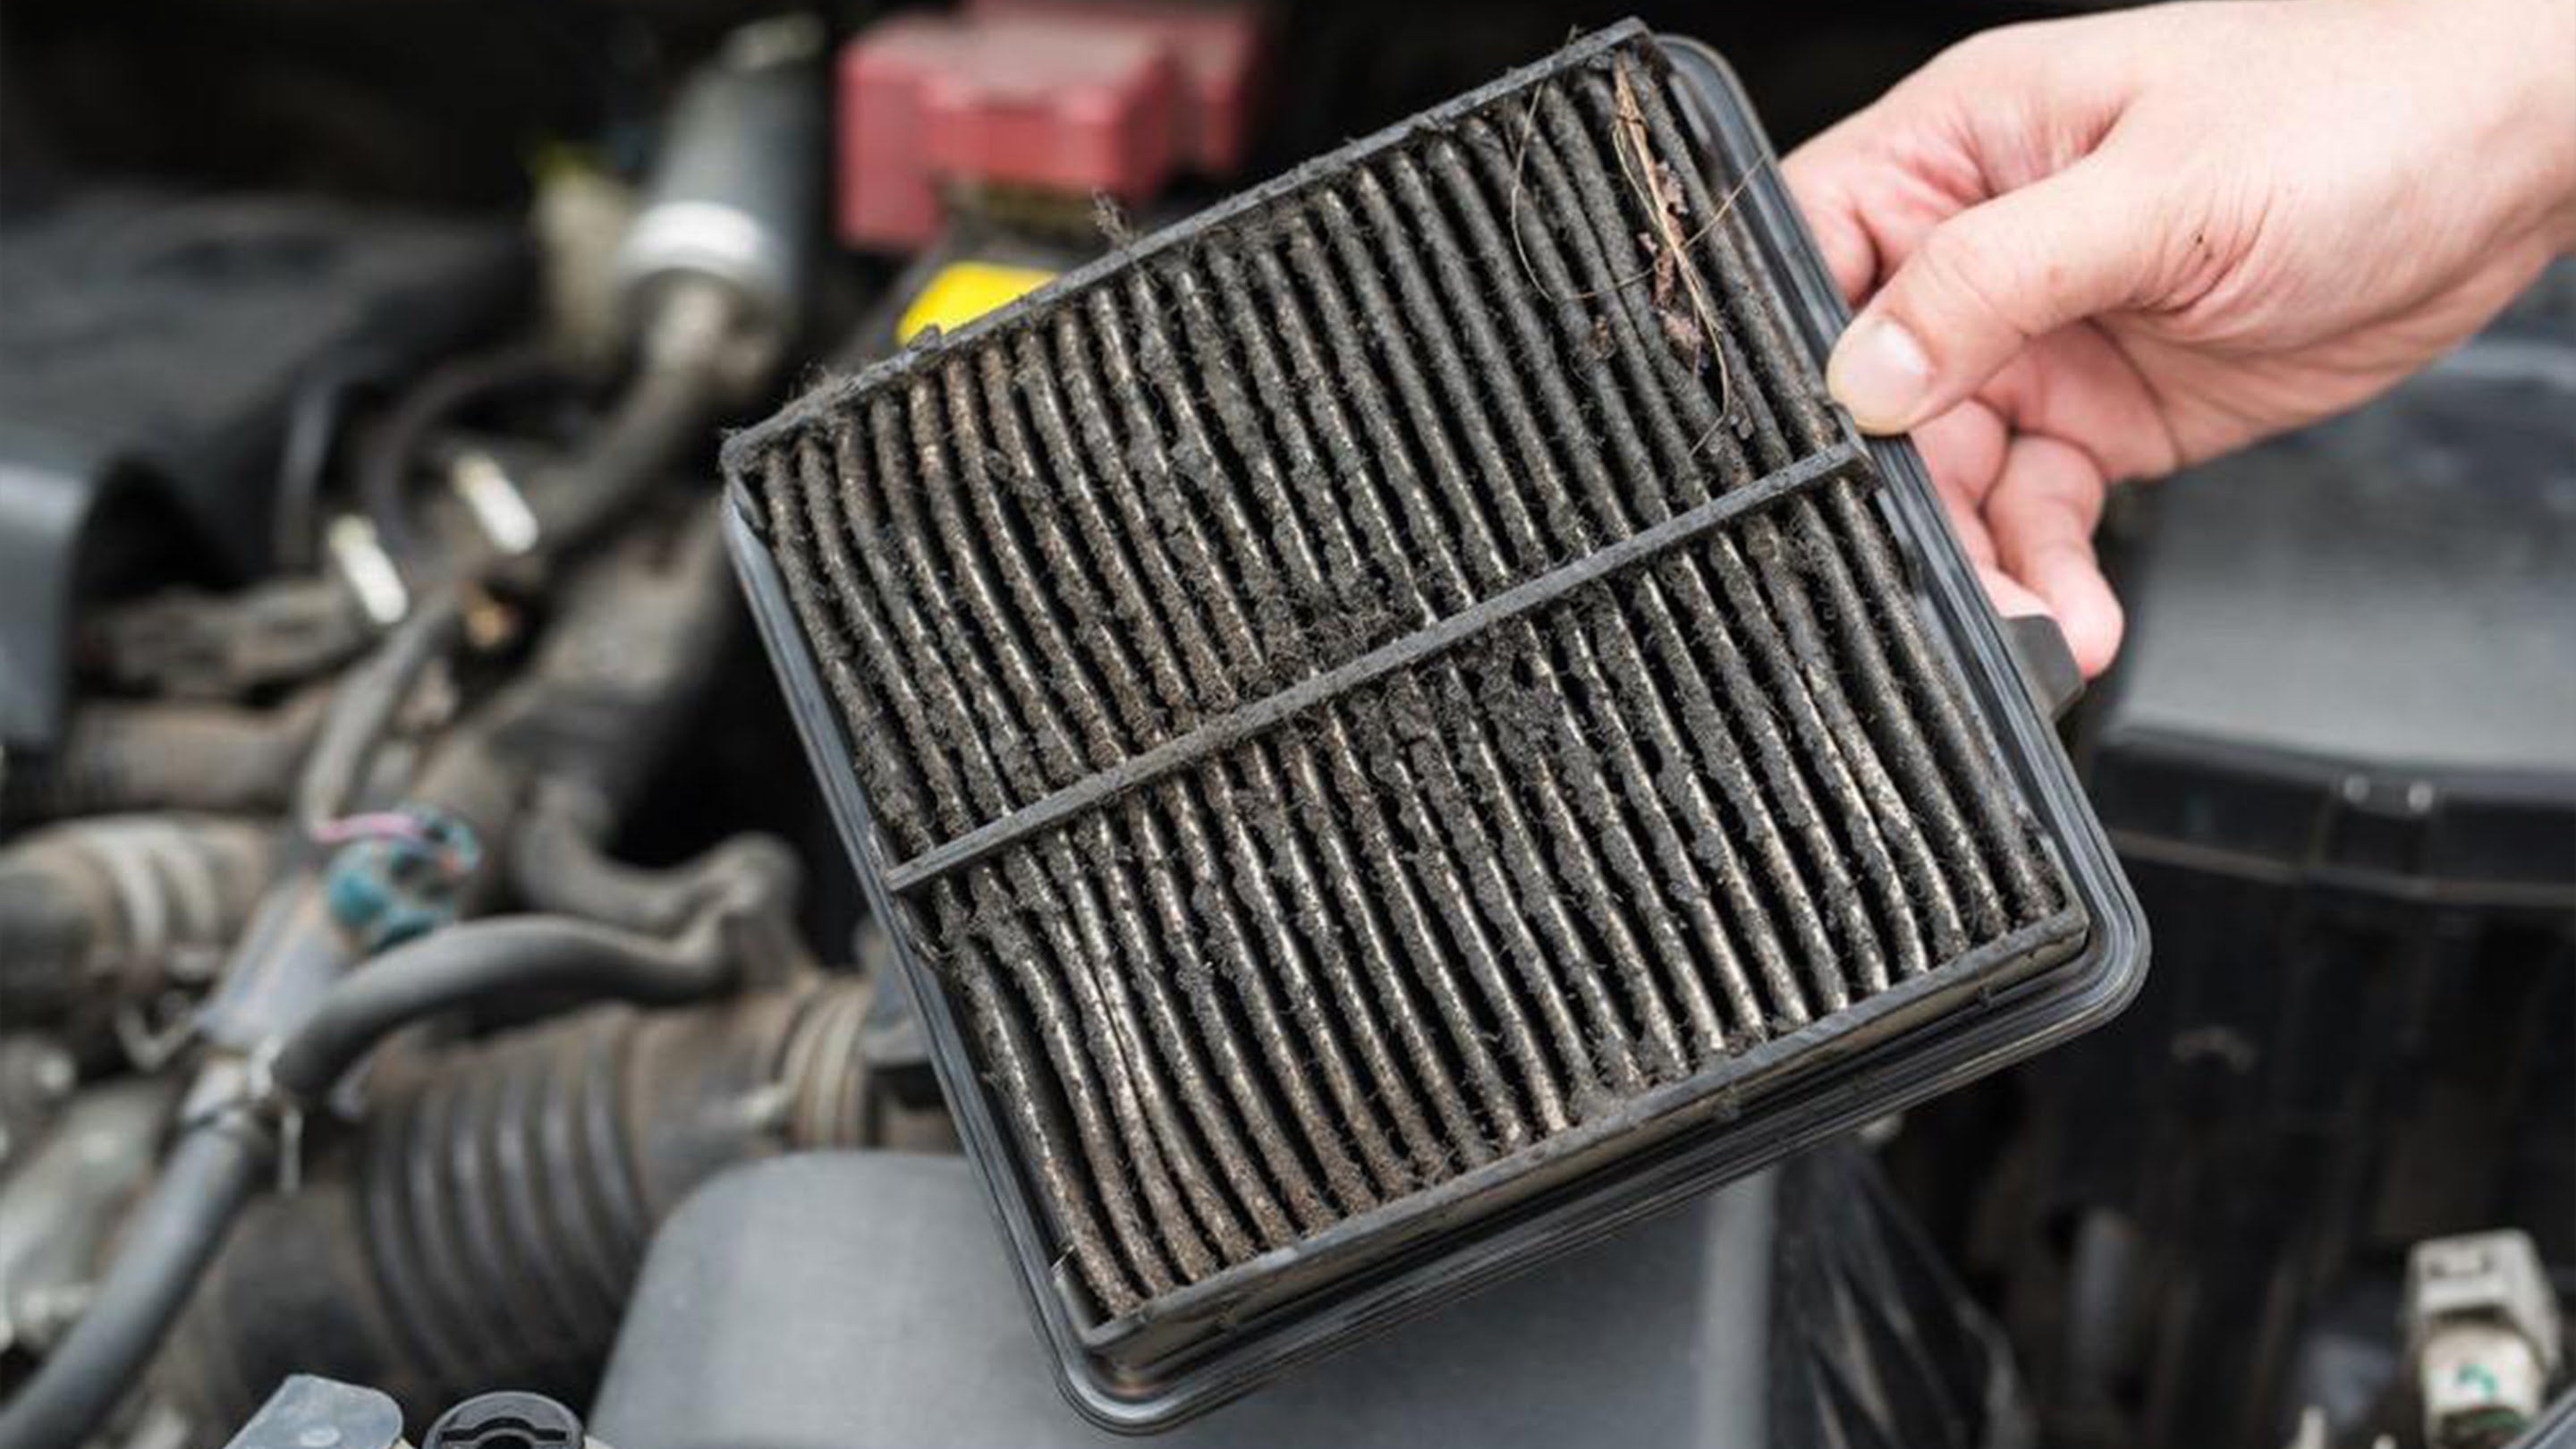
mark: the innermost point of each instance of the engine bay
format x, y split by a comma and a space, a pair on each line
438, 1005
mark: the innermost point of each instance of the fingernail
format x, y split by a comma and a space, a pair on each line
1881, 373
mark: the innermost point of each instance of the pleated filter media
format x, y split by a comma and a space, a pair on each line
1396, 685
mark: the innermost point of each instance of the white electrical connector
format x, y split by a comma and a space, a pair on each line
493, 497
2482, 1331
368, 569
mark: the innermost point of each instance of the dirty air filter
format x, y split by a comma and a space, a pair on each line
1396, 730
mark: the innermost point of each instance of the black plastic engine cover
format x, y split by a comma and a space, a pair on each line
856, 1301
150, 351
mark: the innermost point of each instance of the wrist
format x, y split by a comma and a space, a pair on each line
2546, 120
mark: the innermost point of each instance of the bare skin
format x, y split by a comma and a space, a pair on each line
2099, 249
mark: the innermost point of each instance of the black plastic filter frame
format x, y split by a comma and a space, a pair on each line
1191, 1349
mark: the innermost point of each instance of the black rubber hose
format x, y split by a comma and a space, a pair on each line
480, 960
365, 707
164, 1250
558, 866
663, 413
384, 476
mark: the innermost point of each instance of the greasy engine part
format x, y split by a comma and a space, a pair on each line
37, 1075
483, 1223
186, 644
118, 755
1393, 696
99, 918
570, 704
59, 1203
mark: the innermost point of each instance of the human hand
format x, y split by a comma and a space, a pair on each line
2099, 249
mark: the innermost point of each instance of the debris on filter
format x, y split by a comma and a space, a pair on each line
1109, 218
1268, 973
1660, 194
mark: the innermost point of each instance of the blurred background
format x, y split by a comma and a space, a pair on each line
309, 305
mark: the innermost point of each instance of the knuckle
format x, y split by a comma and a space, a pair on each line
2002, 52
1961, 278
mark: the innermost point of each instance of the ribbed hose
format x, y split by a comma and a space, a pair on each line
483, 1225
103, 913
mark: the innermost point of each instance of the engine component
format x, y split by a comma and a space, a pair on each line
117, 756
732, 199
241, 1112
973, 268
484, 1221
856, 1301
628, 659
1873, 1343
506, 1420
1220, 49
363, 710
59, 1202
282, 995
2365, 905
2290, 711
162, 1247
37, 1074
853, 1301
401, 877
1366, 745
100, 918
711, 273
2482, 1331
365, 550
498, 958
308, 1411
147, 374
560, 867
1063, 98
185, 644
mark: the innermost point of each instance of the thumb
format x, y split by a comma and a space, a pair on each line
1983, 284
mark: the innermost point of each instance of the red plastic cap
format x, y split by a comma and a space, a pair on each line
1074, 96
1219, 46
